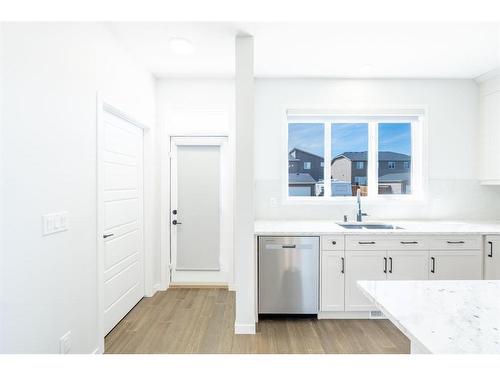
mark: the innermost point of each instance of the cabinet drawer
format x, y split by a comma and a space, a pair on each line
455, 242
383, 242
332, 243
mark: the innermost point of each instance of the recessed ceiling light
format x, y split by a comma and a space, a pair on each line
366, 69
181, 46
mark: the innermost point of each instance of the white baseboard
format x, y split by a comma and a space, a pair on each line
244, 329
97, 350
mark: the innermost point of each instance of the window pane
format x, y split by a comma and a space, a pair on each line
394, 158
349, 159
306, 149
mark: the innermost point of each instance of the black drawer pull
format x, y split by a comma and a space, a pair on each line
366, 242
490, 255
289, 246
433, 267
409, 242
455, 242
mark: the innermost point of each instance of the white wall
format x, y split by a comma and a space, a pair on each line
51, 75
197, 106
454, 191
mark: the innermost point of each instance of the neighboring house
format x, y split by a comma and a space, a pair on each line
301, 184
393, 170
300, 161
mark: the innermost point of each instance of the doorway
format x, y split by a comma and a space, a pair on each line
200, 211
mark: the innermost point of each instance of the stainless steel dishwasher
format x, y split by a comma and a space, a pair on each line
288, 275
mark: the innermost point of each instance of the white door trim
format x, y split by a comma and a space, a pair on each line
102, 107
226, 239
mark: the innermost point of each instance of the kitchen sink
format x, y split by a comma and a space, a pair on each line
368, 226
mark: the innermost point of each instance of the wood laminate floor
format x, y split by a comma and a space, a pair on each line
202, 321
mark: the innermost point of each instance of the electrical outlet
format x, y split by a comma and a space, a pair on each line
54, 223
65, 343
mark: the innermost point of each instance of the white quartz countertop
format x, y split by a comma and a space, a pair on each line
315, 227
442, 317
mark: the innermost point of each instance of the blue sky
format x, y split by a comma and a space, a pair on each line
349, 137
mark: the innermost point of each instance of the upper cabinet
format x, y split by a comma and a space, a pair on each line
489, 145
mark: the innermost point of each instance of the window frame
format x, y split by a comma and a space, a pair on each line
418, 166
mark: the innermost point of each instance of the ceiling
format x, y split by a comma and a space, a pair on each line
342, 50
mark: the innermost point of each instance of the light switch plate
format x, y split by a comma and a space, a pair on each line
54, 223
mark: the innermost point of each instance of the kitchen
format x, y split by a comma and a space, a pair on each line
251, 187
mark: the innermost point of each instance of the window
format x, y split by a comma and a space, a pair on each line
306, 149
394, 146
349, 144
373, 154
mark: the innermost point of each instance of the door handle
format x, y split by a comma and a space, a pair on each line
390, 264
175, 222
107, 235
490, 255
342, 270
385, 264
433, 266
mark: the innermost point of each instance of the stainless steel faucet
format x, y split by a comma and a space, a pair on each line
359, 213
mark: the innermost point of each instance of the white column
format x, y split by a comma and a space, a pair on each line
244, 247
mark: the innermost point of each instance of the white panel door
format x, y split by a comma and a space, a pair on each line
196, 203
362, 265
407, 265
332, 280
121, 217
455, 265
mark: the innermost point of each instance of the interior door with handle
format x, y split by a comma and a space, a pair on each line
196, 189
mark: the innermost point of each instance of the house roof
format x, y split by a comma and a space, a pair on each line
394, 177
300, 178
382, 156
305, 152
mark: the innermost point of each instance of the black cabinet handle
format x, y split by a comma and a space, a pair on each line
409, 242
455, 242
289, 246
175, 222
385, 264
491, 249
334, 242
390, 264
343, 265
107, 235
366, 242
433, 267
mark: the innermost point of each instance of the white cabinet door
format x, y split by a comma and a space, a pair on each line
455, 265
332, 280
362, 265
492, 258
408, 265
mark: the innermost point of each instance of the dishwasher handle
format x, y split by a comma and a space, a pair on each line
288, 246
